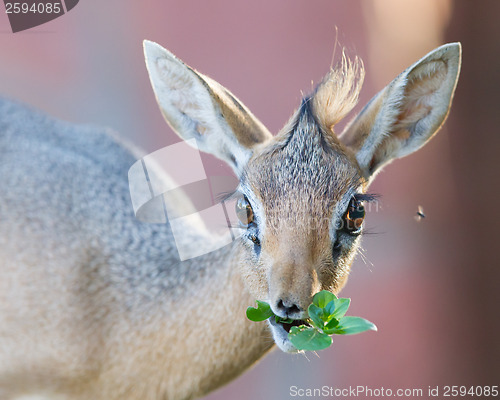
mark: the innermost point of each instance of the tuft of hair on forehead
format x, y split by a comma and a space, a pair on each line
338, 93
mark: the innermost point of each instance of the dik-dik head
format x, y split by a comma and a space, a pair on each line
302, 191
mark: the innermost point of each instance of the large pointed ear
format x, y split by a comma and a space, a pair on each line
196, 106
407, 113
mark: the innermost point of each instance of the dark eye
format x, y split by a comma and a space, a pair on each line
354, 216
255, 240
244, 211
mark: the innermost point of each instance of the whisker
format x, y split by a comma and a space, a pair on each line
371, 231
367, 197
237, 227
365, 259
225, 196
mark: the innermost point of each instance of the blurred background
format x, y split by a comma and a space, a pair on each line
432, 287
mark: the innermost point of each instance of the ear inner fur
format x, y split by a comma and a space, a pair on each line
407, 113
248, 130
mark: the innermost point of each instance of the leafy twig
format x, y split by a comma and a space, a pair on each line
326, 317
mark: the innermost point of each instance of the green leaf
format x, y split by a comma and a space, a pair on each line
316, 315
338, 307
309, 339
352, 325
283, 320
326, 316
261, 313
329, 328
296, 329
321, 299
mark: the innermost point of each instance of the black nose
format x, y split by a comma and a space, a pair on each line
288, 308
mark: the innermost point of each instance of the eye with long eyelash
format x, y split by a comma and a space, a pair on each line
255, 240
244, 211
354, 216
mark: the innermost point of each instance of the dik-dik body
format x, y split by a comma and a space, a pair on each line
96, 305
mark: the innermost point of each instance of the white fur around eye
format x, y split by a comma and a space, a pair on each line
339, 211
257, 208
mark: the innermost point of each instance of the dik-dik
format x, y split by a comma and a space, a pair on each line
95, 304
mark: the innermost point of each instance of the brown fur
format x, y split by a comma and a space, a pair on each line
338, 93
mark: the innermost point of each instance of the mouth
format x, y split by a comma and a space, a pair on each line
288, 325
280, 329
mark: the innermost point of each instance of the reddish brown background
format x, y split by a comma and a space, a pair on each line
431, 287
